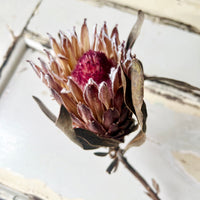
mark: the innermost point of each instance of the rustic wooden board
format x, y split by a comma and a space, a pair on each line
171, 11
14, 16
32, 146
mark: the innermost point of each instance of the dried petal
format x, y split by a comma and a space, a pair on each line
124, 115
105, 29
109, 50
105, 94
115, 35
75, 45
69, 103
56, 96
110, 116
75, 90
51, 83
119, 99
116, 79
113, 128
126, 124
94, 37
54, 45
68, 50
65, 65
44, 66
53, 64
101, 45
84, 112
85, 42
37, 69
92, 100
77, 123
96, 127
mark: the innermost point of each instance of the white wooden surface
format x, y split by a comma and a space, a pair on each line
13, 17
32, 146
185, 11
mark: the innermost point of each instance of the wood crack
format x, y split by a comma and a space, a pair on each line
152, 17
16, 38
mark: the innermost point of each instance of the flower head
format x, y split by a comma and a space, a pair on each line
90, 80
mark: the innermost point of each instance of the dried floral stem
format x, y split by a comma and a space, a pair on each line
153, 195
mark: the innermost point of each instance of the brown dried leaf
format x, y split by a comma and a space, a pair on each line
156, 186
138, 140
45, 110
144, 112
135, 30
101, 154
133, 85
64, 123
126, 83
84, 138
137, 89
113, 166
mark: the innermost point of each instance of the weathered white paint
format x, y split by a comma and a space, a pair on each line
13, 17
185, 11
190, 162
32, 146
13, 184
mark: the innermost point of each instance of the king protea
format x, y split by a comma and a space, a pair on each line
98, 83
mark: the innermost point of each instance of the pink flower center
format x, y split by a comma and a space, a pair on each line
93, 64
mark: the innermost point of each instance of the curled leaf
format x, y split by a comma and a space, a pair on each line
135, 31
45, 110
156, 186
133, 85
101, 154
113, 166
138, 140
82, 137
137, 89
126, 83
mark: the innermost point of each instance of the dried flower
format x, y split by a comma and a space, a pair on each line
98, 84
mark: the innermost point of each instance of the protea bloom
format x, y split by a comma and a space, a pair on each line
91, 79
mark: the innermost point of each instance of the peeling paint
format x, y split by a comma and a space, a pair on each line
15, 184
190, 163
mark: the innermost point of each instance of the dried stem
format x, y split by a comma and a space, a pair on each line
150, 192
